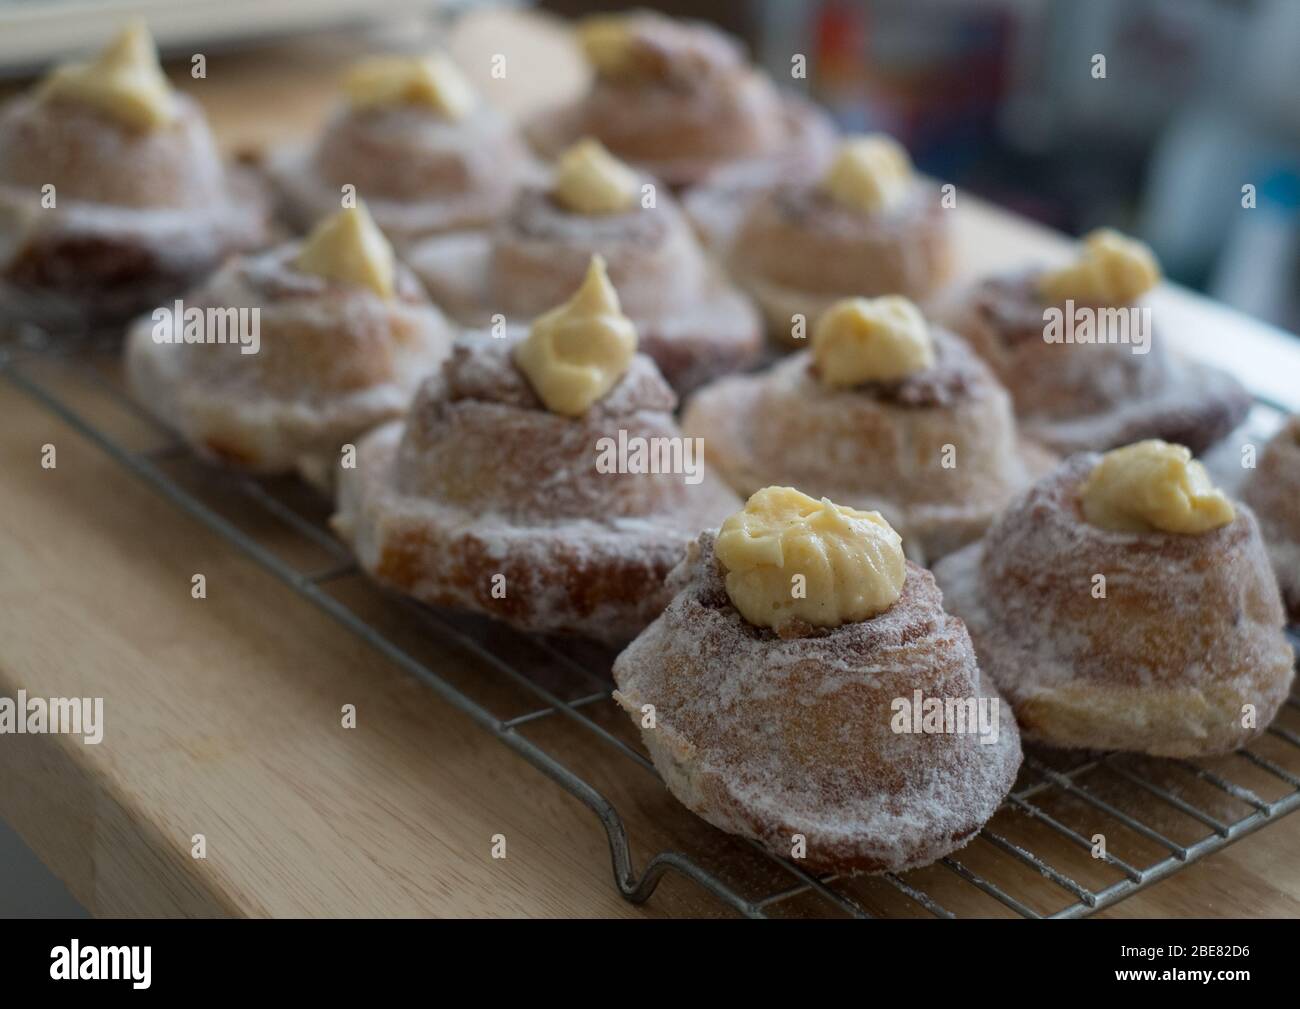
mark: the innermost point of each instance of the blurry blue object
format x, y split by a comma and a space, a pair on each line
1258, 269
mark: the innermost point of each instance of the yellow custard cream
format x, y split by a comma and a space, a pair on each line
789, 557
590, 180
607, 43
1110, 270
1153, 486
870, 173
576, 353
434, 82
871, 340
349, 247
125, 82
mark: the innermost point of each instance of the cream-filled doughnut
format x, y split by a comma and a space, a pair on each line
1124, 603
282, 357
1084, 357
884, 411
113, 196
797, 730
504, 493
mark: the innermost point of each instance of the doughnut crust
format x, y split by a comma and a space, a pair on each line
689, 318
1273, 491
334, 361
768, 737
1091, 397
717, 208
879, 446
420, 174
696, 109
139, 215
797, 251
1189, 630
481, 481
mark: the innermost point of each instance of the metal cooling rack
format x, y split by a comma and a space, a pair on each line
1036, 858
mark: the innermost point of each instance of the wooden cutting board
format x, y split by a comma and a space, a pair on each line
223, 714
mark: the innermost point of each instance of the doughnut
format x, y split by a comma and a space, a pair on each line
936, 452
333, 359
1272, 489
779, 738
483, 500
1187, 633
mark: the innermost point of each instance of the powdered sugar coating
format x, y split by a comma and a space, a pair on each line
705, 110
140, 215
419, 173
540, 253
1189, 629
768, 737
334, 361
689, 318
936, 453
1078, 396
484, 488
797, 251
92, 158
717, 208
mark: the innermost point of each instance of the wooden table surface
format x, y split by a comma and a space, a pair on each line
223, 714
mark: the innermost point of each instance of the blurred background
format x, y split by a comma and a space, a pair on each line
999, 96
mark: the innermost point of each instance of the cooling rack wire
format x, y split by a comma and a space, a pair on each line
1078, 833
